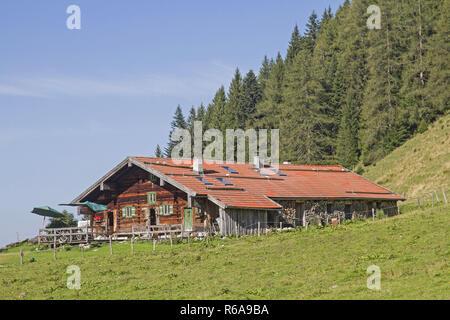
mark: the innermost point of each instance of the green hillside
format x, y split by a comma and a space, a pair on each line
418, 167
412, 251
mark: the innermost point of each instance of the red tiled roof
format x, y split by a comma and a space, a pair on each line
252, 190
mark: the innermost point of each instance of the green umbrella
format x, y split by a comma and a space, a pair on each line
91, 205
46, 211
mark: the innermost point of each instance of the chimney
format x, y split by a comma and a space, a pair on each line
198, 165
258, 162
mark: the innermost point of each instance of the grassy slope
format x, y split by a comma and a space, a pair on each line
412, 251
421, 165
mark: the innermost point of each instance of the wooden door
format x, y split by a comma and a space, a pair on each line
188, 219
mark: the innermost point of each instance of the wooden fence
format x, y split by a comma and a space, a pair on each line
161, 231
70, 235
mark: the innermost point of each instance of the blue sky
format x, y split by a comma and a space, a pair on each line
74, 103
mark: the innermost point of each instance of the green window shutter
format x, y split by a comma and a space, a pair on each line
171, 209
133, 211
161, 210
124, 212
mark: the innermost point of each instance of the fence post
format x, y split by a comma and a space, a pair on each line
132, 245
373, 214
281, 225
432, 199
259, 228
82, 251
418, 201
21, 256
54, 246
154, 244
437, 197
189, 239
170, 235
110, 245
236, 229
445, 196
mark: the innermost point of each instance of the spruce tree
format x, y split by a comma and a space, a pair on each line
311, 33
347, 152
216, 110
251, 95
234, 104
158, 152
437, 93
264, 72
268, 109
294, 45
178, 122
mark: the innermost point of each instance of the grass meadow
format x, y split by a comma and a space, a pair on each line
412, 251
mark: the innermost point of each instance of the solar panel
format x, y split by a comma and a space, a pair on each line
225, 182
230, 170
203, 180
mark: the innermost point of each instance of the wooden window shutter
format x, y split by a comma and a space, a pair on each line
171, 209
133, 211
124, 212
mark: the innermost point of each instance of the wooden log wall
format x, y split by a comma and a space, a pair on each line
132, 191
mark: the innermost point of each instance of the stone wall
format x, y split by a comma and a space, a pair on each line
322, 211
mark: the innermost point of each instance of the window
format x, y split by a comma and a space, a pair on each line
152, 178
151, 197
225, 182
128, 212
165, 209
230, 170
206, 182
281, 174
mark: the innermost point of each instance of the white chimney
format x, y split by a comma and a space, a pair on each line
198, 165
258, 162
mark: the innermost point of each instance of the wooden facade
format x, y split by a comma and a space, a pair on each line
132, 193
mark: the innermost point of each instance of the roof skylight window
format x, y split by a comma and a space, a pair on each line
278, 172
230, 170
225, 182
204, 181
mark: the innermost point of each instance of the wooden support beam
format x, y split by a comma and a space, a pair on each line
107, 186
